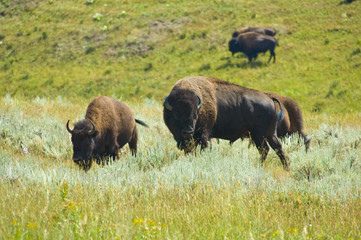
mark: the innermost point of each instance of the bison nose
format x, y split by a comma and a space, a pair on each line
187, 133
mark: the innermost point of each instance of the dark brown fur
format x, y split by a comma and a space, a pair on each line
261, 30
252, 43
115, 126
292, 121
228, 111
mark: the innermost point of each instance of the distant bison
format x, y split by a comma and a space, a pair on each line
252, 43
261, 30
292, 121
200, 108
107, 127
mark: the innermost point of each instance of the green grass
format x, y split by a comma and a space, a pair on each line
220, 193
139, 49
55, 56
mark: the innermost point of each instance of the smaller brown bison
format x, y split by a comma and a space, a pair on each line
261, 30
292, 121
107, 127
252, 43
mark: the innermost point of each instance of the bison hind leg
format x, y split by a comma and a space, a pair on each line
273, 54
306, 140
277, 146
133, 142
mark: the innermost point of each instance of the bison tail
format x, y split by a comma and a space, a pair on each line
141, 123
281, 113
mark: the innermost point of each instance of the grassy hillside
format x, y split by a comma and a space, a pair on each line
136, 49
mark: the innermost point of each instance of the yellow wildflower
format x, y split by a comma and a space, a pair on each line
138, 221
293, 230
31, 225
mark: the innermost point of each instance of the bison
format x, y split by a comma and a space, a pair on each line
252, 43
292, 121
108, 125
201, 108
261, 30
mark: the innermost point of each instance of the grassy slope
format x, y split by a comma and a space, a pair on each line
56, 48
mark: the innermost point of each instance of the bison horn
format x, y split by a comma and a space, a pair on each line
67, 127
167, 105
91, 132
200, 103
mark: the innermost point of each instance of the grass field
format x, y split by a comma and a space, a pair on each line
55, 56
161, 193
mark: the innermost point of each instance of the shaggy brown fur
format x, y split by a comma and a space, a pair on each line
292, 121
252, 43
261, 30
107, 127
200, 108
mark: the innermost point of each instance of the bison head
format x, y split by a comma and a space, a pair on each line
82, 137
234, 46
235, 34
181, 110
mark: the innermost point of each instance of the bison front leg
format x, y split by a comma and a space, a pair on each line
98, 159
204, 143
114, 153
255, 56
86, 164
262, 147
250, 57
202, 139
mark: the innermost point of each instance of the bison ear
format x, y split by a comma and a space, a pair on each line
67, 127
167, 105
200, 103
91, 132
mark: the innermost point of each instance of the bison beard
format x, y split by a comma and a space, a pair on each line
107, 127
200, 108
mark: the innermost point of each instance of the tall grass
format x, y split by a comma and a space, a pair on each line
220, 193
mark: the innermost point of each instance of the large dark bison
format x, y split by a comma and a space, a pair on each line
292, 121
200, 108
252, 43
107, 127
261, 30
